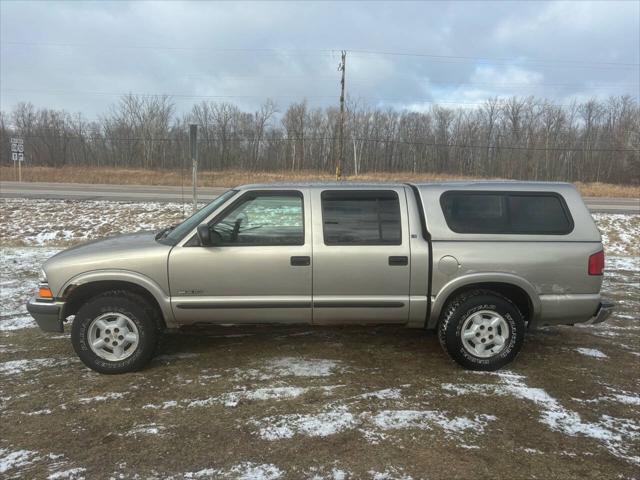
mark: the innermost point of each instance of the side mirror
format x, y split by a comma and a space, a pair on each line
204, 235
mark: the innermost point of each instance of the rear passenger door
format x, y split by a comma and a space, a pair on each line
360, 256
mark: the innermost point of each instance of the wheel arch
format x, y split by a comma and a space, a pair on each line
80, 289
516, 288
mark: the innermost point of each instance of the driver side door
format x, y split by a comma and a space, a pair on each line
259, 268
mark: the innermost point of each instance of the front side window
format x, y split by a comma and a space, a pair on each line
524, 213
361, 217
262, 219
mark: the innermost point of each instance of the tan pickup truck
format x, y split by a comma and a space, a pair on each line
480, 262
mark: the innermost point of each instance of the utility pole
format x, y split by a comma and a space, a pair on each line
193, 147
341, 68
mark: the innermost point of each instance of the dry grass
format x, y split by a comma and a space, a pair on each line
230, 178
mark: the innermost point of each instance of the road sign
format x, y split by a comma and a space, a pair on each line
17, 154
17, 149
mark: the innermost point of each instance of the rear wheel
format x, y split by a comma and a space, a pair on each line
115, 332
482, 330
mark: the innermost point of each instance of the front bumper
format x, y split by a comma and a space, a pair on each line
46, 314
604, 310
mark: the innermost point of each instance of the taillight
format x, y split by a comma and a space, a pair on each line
596, 263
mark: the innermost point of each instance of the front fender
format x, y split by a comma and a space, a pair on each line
449, 288
163, 299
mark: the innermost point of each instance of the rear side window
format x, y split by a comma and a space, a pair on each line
506, 213
361, 217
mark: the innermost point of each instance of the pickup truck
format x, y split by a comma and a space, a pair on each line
479, 262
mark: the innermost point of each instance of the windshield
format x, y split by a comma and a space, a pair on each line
175, 235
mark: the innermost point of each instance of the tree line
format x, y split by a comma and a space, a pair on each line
521, 138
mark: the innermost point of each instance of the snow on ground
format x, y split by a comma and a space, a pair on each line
591, 352
620, 233
146, 429
16, 367
232, 399
616, 434
15, 459
20, 460
291, 366
19, 276
371, 425
243, 471
103, 398
311, 425
69, 474
67, 222
427, 419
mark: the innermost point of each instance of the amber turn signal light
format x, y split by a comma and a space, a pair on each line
45, 292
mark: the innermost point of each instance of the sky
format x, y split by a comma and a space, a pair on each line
81, 56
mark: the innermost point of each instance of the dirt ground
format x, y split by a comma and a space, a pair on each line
299, 402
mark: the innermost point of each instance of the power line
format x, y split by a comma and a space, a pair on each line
493, 60
325, 52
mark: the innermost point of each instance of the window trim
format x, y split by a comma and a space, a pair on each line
505, 194
356, 193
247, 195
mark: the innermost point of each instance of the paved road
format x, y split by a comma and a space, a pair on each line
78, 191
81, 191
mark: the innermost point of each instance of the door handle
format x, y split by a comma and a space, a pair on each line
398, 261
300, 261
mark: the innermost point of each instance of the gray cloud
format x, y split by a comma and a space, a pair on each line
79, 56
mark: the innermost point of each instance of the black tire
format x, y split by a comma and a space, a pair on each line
133, 306
465, 305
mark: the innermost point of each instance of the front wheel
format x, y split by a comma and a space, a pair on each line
482, 330
115, 333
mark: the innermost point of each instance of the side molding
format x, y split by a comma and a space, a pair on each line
478, 278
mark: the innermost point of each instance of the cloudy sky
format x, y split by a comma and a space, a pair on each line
81, 56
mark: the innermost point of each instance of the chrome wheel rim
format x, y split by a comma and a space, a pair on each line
113, 336
485, 334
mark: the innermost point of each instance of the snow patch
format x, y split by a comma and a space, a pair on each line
427, 419
619, 233
45, 411
310, 425
19, 277
162, 406
616, 435
16, 367
10, 460
385, 394
148, 429
389, 473
289, 367
591, 352
300, 367
243, 471
371, 426
232, 399
103, 398
72, 473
